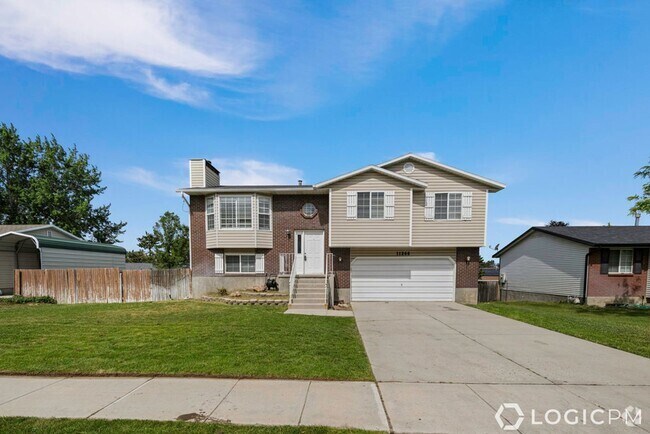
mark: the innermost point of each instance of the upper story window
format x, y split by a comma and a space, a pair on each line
370, 205
621, 261
209, 212
235, 212
309, 210
448, 206
264, 213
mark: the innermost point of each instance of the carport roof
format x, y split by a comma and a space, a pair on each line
59, 243
596, 236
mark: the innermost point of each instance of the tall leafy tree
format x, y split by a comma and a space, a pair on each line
168, 245
641, 201
553, 223
41, 182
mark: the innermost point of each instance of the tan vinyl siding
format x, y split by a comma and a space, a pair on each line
64, 258
265, 239
370, 232
441, 233
197, 170
211, 178
357, 252
545, 264
235, 238
211, 239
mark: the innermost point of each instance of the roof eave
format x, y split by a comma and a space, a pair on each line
494, 185
377, 169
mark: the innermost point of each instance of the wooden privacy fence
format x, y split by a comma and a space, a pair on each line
104, 285
488, 290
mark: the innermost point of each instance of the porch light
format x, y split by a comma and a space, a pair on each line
288, 232
468, 259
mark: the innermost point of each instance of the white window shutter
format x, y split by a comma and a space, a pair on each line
259, 262
352, 205
218, 263
429, 206
466, 211
389, 205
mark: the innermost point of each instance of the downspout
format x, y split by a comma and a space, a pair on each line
586, 279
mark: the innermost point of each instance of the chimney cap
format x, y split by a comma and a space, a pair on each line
300, 182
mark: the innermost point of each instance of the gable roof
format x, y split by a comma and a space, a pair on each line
31, 228
377, 169
595, 236
60, 243
494, 185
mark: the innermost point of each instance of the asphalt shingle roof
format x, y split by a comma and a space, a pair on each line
602, 235
18, 228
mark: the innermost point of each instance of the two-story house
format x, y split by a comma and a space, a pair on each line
406, 229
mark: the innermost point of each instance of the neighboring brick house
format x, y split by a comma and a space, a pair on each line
599, 264
407, 229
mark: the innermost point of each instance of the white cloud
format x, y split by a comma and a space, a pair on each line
254, 172
516, 221
429, 155
260, 59
149, 179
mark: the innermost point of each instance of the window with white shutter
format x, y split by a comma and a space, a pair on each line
218, 263
352, 205
429, 206
466, 213
389, 205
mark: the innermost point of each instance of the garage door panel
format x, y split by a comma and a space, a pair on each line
402, 278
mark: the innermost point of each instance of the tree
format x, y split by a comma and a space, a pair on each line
486, 264
641, 201
168, 245
553, 223
41, 182
138, 256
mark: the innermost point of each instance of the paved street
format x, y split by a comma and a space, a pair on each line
445, 367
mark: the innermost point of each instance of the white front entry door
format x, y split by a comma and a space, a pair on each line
310, 252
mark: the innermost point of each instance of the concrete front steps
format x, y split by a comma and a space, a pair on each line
311, 293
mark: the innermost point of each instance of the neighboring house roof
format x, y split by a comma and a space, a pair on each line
59, 243
495, 185
377, 169
597, 236
30, 228
490, 271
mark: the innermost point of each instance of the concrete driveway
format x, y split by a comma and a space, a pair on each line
445, 367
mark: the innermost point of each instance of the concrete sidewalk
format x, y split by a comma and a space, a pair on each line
264, 402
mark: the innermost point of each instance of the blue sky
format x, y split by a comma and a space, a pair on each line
551, 98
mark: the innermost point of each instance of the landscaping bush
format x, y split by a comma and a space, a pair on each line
19, 299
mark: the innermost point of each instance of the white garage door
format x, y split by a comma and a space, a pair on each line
417, 278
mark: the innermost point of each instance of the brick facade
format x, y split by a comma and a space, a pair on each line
615, 286
287, 216
467, 272
202, 258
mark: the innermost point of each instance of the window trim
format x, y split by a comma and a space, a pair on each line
370, 217
618, 267
435, 193
239, 255
214, 212
270, 214
253, 213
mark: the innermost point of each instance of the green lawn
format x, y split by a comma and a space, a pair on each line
179, 338
36, 426
625, 329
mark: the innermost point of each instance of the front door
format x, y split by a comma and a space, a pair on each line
310, 252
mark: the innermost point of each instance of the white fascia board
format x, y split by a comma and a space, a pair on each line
492, 183
374, 169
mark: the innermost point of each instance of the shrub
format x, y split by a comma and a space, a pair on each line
19, 299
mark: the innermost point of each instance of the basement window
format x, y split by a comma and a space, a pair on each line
240, 263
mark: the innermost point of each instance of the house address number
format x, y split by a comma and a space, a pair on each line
402, 253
